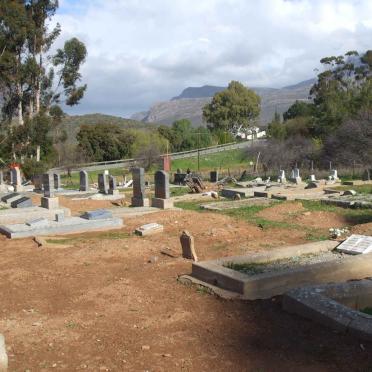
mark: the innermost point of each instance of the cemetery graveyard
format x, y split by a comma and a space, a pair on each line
108, 277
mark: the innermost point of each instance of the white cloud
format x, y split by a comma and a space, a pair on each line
146, 51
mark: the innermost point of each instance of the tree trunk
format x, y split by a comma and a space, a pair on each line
20, 109
38, 87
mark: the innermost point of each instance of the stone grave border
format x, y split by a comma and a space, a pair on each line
266, 285
323, 304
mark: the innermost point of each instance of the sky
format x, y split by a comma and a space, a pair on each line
141, 52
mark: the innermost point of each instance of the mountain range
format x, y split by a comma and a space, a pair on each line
189, 104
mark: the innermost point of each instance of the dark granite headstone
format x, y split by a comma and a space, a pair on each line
162, 185
102, 184
57, 181
112, 183
21, 203
98, 214
214, 176
48, 185
84, 184
138, 175
9, 196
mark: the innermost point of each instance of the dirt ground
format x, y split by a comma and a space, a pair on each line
111, 302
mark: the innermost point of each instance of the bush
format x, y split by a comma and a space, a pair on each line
31, 167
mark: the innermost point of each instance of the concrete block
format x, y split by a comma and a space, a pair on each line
149, 229
49, 203
60, 217
162, 203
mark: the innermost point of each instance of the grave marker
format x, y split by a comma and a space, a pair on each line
139, 199
356, 244
113, 188
84, 183
149, 229
214, 176
187, 244
162, 195
57, 181
102, 183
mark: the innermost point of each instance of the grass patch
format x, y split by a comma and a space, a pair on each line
361, 189
62, 241
113, 235
224, 159
179, 191
247, 268
352, 216
367, 310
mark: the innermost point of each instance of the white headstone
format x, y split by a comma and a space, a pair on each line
356, 244
312, 178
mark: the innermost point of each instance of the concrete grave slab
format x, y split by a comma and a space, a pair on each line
149, 229
23, 202
244, 192
70, 225
335, 306
356, 244
272, 283
15, 215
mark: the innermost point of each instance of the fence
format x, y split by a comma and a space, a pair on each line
126, 163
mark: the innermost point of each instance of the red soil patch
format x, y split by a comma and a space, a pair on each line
99, 305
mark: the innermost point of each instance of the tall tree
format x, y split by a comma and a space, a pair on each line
232, 109
32, 79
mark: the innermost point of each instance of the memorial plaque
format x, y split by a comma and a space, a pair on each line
356, 244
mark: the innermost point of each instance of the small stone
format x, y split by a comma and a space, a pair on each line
145, 347
187, 243
153, 259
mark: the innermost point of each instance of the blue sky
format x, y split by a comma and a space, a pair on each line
141, 52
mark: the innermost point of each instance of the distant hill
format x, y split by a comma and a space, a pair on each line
189, 104
72, 124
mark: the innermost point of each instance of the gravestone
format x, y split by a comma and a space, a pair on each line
333, 176
38, 182
139, 199
49, 201
187, 244
98, 214
84, 183
312, 178
162, 195
281, 177
48, 185
1, 178
356, 244
179, 178
214, 176
23, 202
57, 181
102, 183
113, 188
16, 178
